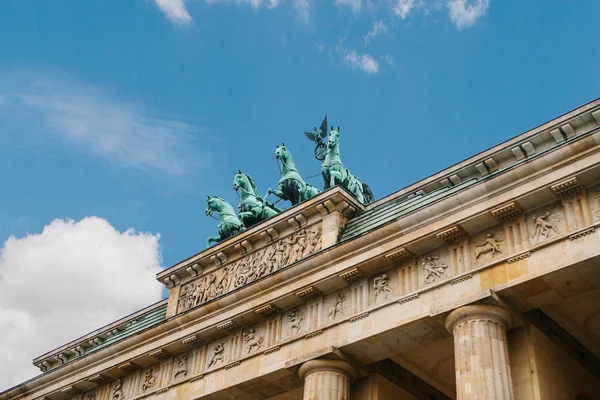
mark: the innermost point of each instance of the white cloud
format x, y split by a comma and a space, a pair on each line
403, 8
464, 13
363, 62
378, 28
353, 5
67, 281
302, 7
175, 11
97, 122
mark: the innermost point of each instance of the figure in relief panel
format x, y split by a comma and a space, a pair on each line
180, 366
149, 380
252, 341
217, 355
545, 224
489, 246
255, 265
339, 308
295, 322
434, 271
597, 197
381, 288
117, 390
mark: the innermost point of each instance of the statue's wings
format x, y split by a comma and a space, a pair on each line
324, 127
312, 135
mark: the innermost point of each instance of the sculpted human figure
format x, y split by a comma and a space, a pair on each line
340, 306
298, 244
295, 322
434, 271
380, 286
180, 366
198, 293
252, 341
543, 226
211, 290
117, 390
149, 380
490, 245
217, 355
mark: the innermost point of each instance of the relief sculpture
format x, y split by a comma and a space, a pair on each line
149, 380
489, 246
434, 271
217, 355
252, 267
252, 341
180, 366
545, 225
117, 390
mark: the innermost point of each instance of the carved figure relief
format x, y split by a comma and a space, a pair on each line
434, 271
252, 267
117, 390
545, 225
296, 322
252, 341
381, 287
180, 366
339, 308
489, 246
217, 355
149, 380
597, 197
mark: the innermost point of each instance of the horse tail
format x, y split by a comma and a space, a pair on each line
367, 193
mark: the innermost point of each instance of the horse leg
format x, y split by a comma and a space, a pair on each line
277, 193
215, 239
336, 176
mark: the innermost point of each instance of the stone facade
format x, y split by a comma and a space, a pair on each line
480, 282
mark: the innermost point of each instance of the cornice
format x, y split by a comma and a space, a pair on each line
334, 199
500, 156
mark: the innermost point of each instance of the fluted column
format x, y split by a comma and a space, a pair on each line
327, 379
481, 352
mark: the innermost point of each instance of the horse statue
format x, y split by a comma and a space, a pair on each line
291, 185
252, 208
334, 172
229, 225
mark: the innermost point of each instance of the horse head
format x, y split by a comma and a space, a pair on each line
334, 138
245, 182
282, 152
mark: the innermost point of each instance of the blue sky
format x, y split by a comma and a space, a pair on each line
134, 111
118, 118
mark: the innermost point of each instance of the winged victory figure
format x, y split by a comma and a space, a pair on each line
318, 138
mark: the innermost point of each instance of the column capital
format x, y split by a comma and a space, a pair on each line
329, 365
478, 312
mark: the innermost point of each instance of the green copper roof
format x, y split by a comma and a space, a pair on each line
387, 212
394, 209
137, 324
147, 321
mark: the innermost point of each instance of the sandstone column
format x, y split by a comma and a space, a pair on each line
327, 379
481, 352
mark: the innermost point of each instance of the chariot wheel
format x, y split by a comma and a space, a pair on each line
321, 151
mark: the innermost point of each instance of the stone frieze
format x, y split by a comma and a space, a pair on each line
251, 267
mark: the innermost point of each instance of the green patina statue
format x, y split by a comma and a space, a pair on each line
252, 208
291, 185
229, 225
334, 172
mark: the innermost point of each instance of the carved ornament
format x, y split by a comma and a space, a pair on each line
251, 267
